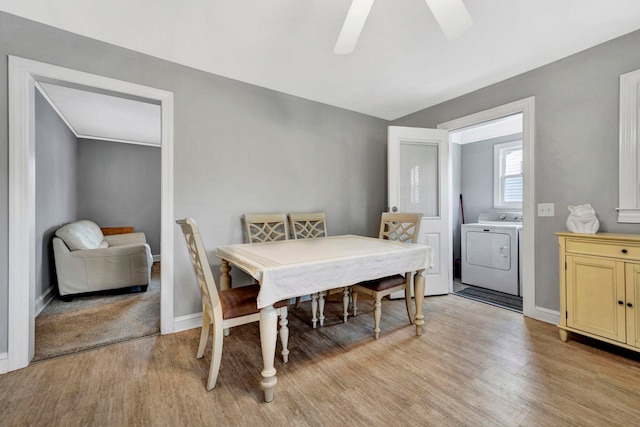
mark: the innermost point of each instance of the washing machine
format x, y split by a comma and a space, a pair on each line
490, 252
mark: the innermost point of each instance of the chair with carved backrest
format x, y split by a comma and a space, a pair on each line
311, 226
225, 309
402, 227
266, 227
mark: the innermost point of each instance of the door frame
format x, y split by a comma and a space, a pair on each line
525, 106
23, 75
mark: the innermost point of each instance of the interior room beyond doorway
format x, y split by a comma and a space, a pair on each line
487, 184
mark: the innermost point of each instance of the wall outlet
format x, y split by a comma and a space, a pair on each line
545, 209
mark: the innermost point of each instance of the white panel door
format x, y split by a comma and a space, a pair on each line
418, 183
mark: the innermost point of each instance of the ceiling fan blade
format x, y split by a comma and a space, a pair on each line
452, 16
352, 26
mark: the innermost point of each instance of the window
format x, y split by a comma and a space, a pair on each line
507, 172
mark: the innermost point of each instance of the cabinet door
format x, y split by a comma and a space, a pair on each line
633, 298
595, 296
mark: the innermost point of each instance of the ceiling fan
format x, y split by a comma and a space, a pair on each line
452, 16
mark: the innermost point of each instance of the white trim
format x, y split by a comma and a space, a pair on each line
547, 315
122, 141
525, 106
4, 363
186, 322
629, 188
55, 108
628, 215
44, 299
23, 75
157, 258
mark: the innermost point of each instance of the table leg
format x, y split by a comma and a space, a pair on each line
408, 277
225, 277
321, 307
314, 309
268, 337
345, 303
418, 293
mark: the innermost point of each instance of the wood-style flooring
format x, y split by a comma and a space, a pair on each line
475, 365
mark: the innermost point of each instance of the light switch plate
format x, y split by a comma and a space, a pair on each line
545, 209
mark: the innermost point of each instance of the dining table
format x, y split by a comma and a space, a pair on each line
290, 268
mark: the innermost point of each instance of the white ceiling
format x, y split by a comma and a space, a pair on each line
504, 126
99, 116
403, 63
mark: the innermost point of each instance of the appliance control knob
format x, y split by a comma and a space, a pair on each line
502, 217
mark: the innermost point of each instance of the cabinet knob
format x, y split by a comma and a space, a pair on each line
629, 305
624, 251
620, 302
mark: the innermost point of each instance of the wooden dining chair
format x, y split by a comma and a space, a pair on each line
308, 225
266, 227
311, 226
402, 227
225, 309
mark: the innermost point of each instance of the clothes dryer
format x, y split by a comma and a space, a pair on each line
490, 252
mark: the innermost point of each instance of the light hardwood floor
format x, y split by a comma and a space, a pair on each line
475, 365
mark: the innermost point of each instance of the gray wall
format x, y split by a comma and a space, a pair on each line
119, 185
56, 178
576, 137
476, 174
237, 148
477, 178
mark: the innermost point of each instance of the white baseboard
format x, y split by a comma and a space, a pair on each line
44, 299
4, 363
546, 315
189, 321
157, 258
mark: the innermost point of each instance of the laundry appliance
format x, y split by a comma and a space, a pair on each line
490, 252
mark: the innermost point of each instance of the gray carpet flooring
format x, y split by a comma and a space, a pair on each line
96, 320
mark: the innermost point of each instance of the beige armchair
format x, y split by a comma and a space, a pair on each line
87, 260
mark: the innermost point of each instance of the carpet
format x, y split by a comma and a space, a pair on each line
98, 319
488, 296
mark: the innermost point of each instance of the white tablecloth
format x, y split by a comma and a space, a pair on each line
291, 268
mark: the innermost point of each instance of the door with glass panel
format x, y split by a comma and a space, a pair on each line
418, 179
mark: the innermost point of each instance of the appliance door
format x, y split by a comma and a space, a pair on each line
489, 249
490, 257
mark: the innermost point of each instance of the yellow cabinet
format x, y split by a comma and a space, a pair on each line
599, 286
633, 298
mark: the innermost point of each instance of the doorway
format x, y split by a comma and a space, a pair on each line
527, 237
84, 172
487, 171
23, 75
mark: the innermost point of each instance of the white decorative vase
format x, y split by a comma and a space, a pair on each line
582, 219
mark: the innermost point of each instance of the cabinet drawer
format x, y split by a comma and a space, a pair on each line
612, 250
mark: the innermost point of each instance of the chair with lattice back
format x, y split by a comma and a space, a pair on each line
224, 309
310, 226
266, 227
401, 227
